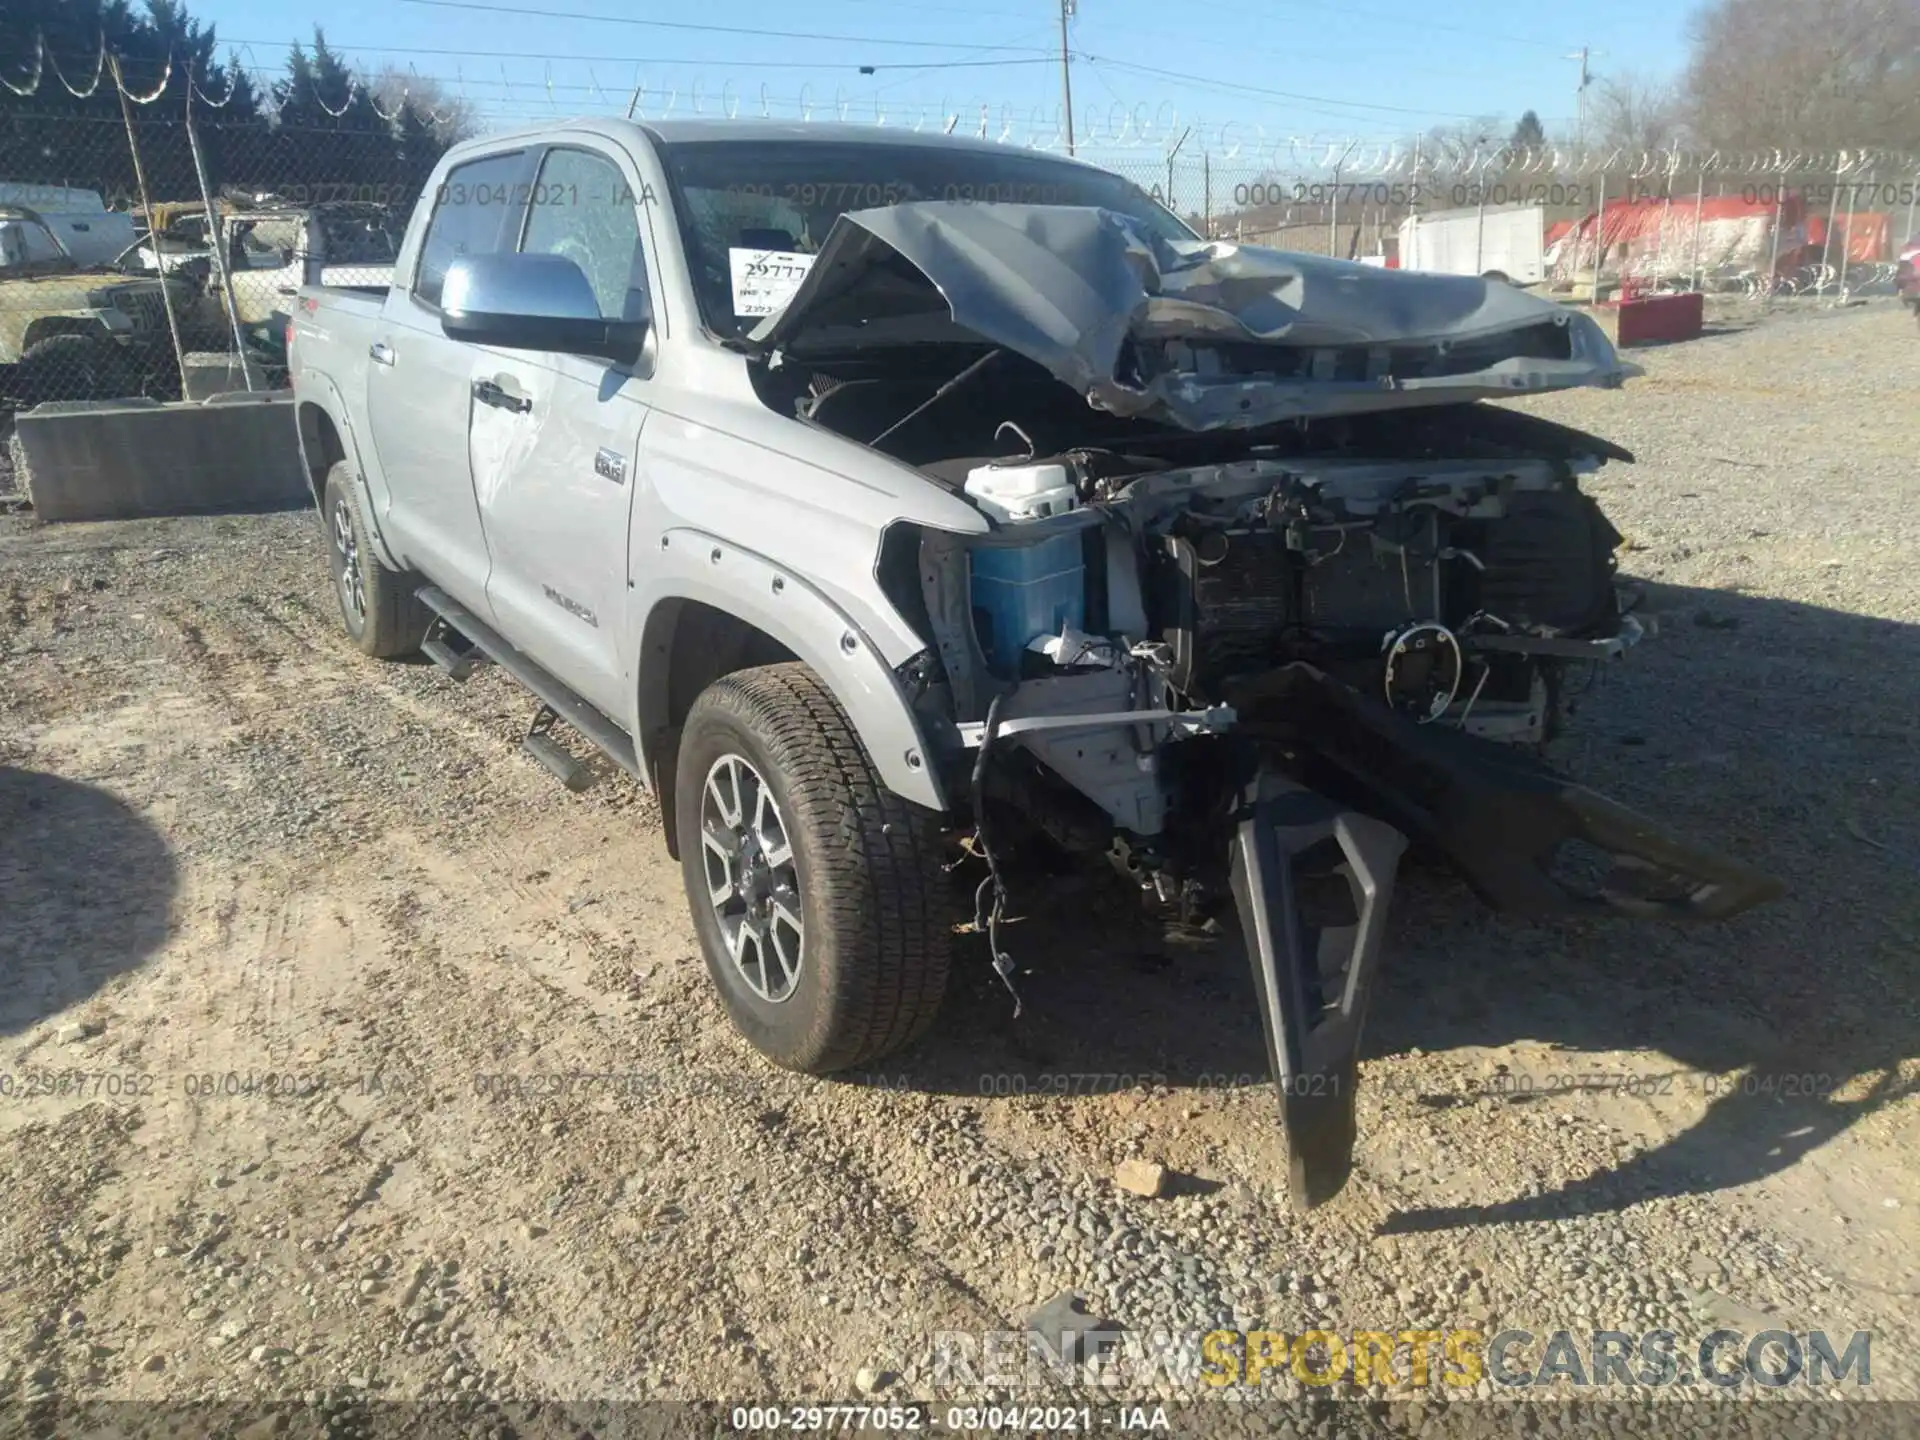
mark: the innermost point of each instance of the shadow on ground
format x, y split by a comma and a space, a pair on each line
1781, 733
85, 890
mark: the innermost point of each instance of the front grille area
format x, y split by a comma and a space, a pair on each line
142, 307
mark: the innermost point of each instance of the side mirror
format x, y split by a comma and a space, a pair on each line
532, 302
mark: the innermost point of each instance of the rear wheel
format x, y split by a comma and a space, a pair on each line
816, 892
377, 605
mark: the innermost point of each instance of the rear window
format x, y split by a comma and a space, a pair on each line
476, 211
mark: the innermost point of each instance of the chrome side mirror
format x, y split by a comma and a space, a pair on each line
532, 302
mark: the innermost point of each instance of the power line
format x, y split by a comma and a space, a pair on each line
712, 29
655, 60
1255, 90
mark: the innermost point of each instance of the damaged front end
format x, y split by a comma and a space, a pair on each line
1270, 593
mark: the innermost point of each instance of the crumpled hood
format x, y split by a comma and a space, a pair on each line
1144, 326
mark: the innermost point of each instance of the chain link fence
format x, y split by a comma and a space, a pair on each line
1574, 221
158, 255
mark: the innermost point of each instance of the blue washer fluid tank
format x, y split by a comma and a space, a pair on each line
1024, 591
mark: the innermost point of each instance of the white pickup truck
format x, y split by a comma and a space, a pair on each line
862, 492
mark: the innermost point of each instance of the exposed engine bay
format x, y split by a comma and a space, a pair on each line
1269, 593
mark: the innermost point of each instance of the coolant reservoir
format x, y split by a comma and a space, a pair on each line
1013, 493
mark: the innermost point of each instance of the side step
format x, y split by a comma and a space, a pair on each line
451, 650
557, 701
541, 745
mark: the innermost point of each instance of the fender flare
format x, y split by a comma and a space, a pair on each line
693, 565
314, 387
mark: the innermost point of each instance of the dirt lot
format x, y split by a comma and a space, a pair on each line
275, 915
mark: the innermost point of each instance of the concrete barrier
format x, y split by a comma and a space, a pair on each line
116, 459
209, 374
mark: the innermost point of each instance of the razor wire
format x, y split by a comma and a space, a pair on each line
249, 207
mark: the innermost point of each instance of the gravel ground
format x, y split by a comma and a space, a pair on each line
275, 914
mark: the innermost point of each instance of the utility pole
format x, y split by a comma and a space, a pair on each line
1584, 54
1066, 71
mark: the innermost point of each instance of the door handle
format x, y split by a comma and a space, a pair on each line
380, 353
488, 392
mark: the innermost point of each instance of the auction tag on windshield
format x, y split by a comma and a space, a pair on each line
764, 280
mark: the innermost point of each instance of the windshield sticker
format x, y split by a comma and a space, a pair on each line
764, 280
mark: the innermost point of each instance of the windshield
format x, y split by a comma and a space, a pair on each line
740, 199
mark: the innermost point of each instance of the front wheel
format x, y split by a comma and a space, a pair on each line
74, 367
377, 605
816, 893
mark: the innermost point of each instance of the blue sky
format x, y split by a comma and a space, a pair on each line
1242, 70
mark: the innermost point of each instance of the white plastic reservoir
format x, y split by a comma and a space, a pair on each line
1013, 493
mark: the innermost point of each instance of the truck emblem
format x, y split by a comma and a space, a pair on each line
571, 606
610, 465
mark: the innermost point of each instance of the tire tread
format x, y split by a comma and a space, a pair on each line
883, 896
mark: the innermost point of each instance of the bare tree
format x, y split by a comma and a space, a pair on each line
1806, 74
450, 117
1635, 114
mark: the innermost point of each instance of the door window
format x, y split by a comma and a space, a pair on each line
476, 212
583, 208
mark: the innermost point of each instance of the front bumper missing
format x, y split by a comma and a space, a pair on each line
1377, 779
1341, 786
1312, 981
1505, 822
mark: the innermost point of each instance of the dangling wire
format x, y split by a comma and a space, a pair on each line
990, 899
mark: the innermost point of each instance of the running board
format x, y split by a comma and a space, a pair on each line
1312, 981
607, 737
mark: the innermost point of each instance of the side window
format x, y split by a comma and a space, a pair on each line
476, 213
584, 209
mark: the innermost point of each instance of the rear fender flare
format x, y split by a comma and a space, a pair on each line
318, 390
692, 565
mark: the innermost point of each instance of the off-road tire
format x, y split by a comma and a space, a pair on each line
388, 621
878, 930
73, 367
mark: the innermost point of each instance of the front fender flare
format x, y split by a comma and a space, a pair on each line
692, 565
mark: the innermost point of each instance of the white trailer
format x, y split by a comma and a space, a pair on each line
1504, 240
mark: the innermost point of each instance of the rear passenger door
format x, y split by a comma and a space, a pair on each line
554, 439
420, 383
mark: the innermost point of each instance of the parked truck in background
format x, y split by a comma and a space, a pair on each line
70, 331
861, 492
269, 251
1499, 242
